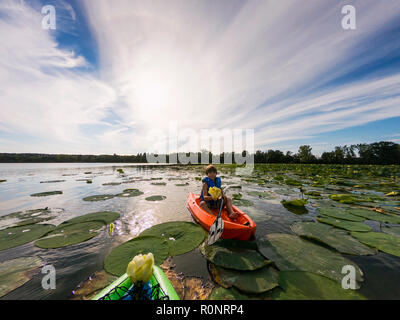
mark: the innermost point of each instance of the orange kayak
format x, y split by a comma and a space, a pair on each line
240, 228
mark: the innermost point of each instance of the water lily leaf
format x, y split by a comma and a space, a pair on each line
105, 217
339, 214
295, 202
291, 253
52, 181
182, 184
382, 241
100, 197
313, 194
292, 182
261, 194
237, 255
344, 224
93, 285
23, 218
156, 198
392, 230
159, 183
221, 293
130, 193
112, 183
343, 198
14, 273
117, 261
242, 202
181, 236
335, 238
69, 234
299, 285
16, 236
46, 194
1, 181
257, 281
376, 216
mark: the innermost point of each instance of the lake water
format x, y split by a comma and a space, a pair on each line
76, 263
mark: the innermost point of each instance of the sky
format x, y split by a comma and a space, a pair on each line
116, 76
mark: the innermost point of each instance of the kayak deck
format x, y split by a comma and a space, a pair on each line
241, 228
120, 289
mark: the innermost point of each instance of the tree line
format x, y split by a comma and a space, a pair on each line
379, 153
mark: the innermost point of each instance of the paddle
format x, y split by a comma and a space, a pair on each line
217, 227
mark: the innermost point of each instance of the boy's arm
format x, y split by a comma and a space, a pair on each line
205, 192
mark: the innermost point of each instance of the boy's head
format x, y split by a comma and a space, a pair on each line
211, 171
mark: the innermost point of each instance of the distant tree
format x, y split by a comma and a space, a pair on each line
305, 154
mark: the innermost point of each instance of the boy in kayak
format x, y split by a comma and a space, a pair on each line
207, 202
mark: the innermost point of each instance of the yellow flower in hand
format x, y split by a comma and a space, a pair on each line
141, 268
215, 192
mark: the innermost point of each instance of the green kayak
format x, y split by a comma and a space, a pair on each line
120, 289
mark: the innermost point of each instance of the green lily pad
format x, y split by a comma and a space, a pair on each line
299, 285
52, 181
343, 198
291, 253
69, 234
46, 194
159, 183
242, 202
257, 281
130, 193
181, 236
234, 254
1, 181
105, 217
392, 230
335, 238
100, 197
339, 214
295, 202
261, 194
112, 183
16, 236
376, 216
382, 241
292, 182
182, 184
14, 273
23, 218
117, 261
156, 198
313, 194
344, 224
220, 293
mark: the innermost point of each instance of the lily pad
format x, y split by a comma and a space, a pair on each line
234, 254
1, 181
392, 230
261, 194
159, 183
343, 198
291, 253
382, 241
16, 236
112, 183
335, 238
376, 216
299, 285
105, 217
182, 184
117, 261
242, 202
69, 234
23, 218
52, 181
181, 236
344, 224
100, 197
257, 281
130, 193
156, 198
46, 194
339, 214
14, 273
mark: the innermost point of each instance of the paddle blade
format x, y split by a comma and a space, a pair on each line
216, 231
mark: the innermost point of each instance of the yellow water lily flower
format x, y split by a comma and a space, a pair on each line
215, 192
112, 227
140, 269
